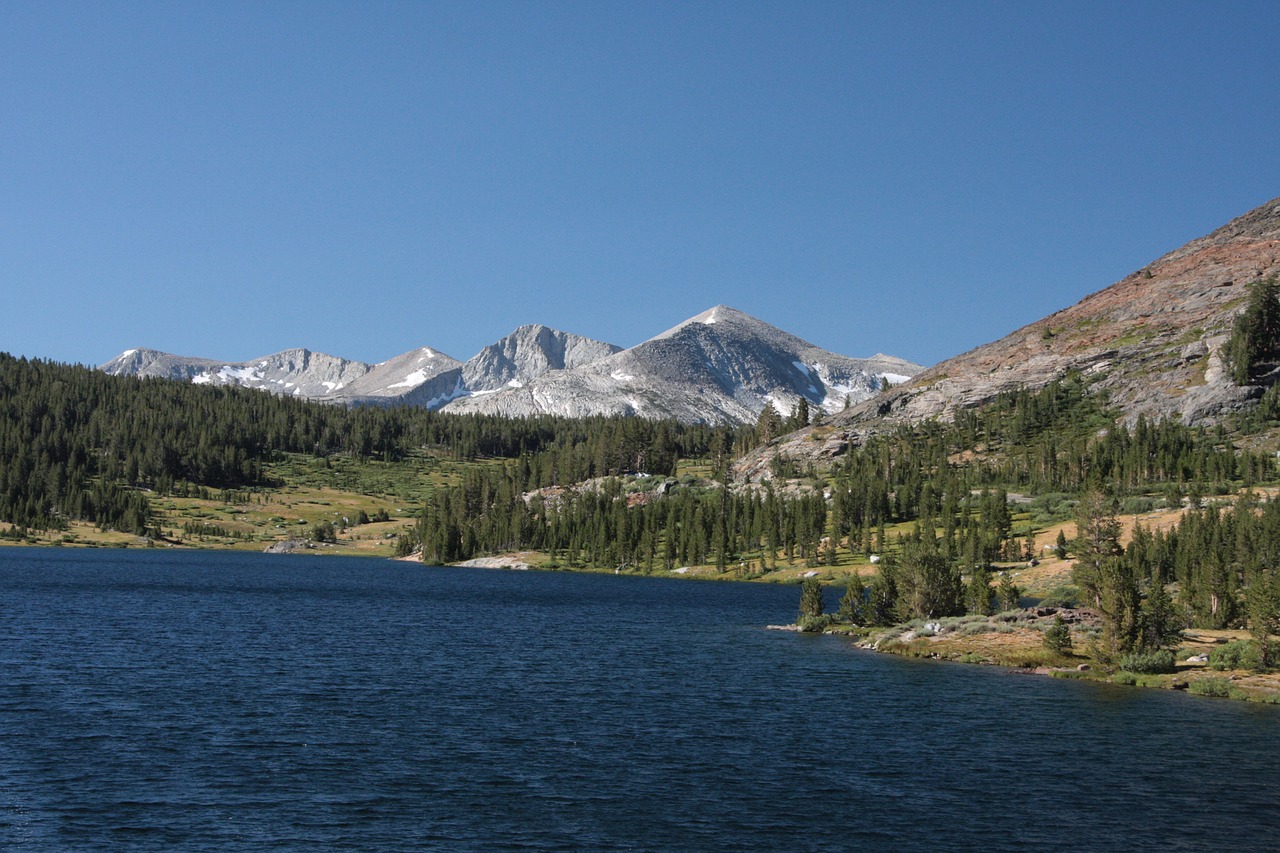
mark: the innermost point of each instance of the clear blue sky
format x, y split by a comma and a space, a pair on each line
229, 179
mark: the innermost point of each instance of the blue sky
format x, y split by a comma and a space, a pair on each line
230, 179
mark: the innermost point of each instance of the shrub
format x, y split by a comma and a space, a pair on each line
1137, 505
1135, 680
1066, 595
1219, 687
1161, 661
816, 624
1051, 507
1057, 637
1242, 654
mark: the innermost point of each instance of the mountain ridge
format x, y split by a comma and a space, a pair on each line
720, 366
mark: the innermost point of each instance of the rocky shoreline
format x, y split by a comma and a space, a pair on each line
1015, 642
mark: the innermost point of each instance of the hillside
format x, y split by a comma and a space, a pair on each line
1152, 342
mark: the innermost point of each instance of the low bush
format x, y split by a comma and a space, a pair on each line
1159, 662
971, 629
1061, 596
816, 624
1216, 686
1242, 654
1136, 680
1052, 507
1137, 505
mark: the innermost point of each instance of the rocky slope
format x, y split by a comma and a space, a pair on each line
1152, 340
720, 366
526, 354
296, 372
421, 377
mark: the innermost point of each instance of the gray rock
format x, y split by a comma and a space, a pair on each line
289, 546
526, 354
721, 366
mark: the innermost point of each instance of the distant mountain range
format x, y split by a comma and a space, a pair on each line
1152, 342
721, 366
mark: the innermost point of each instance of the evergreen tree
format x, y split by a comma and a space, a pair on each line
810, 598
1106, 579
853, 604
1007, 592
1263, 603
1159, 624
1255, 336
1097, 542
799, 415
1057, 637
929, 585
769, 424
978, 591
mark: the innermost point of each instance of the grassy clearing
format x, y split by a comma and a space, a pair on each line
334, 490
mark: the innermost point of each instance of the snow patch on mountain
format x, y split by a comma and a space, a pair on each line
720, 366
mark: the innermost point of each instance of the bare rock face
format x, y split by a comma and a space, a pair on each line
293, 372
1153, 340
721, 366
423, 377
526, 354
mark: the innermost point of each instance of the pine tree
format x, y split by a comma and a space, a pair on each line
1057, 637
1263, 603
929, 585
1007, 592
978, 591
1097, 542
1159, 624
853, 604
799, 415
1255, 337
810, 598
769, 424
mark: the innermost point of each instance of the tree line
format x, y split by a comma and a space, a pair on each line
77, 444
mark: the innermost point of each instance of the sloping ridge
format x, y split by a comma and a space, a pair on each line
422, 377
1153, 341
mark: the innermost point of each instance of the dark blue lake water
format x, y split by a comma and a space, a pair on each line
159, 701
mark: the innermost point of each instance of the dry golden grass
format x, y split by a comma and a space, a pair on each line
269, 516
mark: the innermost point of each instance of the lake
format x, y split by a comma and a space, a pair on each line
156, 700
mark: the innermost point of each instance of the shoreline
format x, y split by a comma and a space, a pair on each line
1020, 651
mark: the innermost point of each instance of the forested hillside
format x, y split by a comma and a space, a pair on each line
76, 444
952, 478
934, 502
